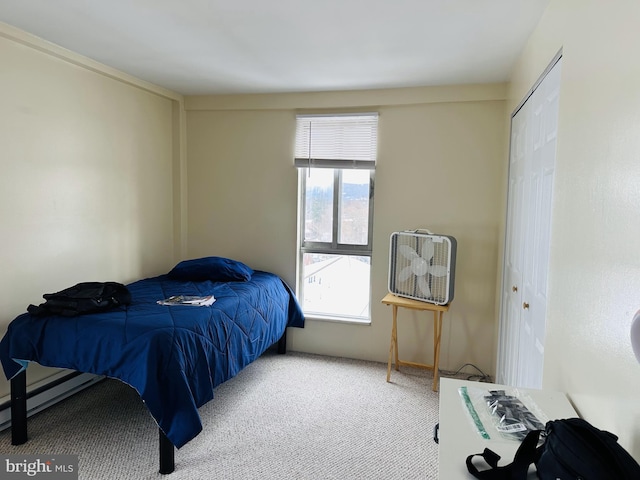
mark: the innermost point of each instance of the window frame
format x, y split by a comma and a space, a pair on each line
334, 247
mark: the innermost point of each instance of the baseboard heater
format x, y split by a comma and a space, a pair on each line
48, 392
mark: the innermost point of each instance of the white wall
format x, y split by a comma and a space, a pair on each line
594, 276
442, 160
87, 183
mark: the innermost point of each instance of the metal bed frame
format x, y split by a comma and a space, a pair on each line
19, 416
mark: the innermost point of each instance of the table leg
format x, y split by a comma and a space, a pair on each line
395, 335
435, 339
437, 333
394, 343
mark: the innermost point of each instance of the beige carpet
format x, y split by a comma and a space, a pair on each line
293, 416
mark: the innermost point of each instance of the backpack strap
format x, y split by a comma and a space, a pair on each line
528, 452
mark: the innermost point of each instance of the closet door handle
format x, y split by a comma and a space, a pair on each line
514, 289
525, 305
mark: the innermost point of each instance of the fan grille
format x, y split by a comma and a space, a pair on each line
421, 266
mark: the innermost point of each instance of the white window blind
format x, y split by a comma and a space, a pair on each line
336, 141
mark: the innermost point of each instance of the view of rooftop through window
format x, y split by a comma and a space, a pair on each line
336, 285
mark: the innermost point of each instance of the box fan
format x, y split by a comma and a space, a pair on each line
422, 266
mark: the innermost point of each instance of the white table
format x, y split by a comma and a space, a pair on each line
458, 438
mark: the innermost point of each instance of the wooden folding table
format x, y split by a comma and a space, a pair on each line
438, 311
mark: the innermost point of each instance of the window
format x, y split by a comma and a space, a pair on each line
335, 155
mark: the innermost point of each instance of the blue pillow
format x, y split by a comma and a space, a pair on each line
216, 269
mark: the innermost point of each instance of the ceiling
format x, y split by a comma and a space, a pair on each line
258, 46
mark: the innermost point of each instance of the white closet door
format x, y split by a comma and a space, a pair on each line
514, 249
528, 235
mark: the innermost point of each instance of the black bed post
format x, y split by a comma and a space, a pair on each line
19, 408
282, 343
167, 454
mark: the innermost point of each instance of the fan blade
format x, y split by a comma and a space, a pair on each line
404, 274
407, 252
427, 249
438, 270
423, 285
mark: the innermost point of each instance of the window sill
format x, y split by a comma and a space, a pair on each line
347, 320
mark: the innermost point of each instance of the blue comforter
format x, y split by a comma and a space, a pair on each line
174, 356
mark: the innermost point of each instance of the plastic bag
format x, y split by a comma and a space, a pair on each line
508, 414
510, 417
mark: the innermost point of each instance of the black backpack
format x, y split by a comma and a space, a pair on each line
86, 297
573, 449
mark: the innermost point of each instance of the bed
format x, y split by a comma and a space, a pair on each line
173, 356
